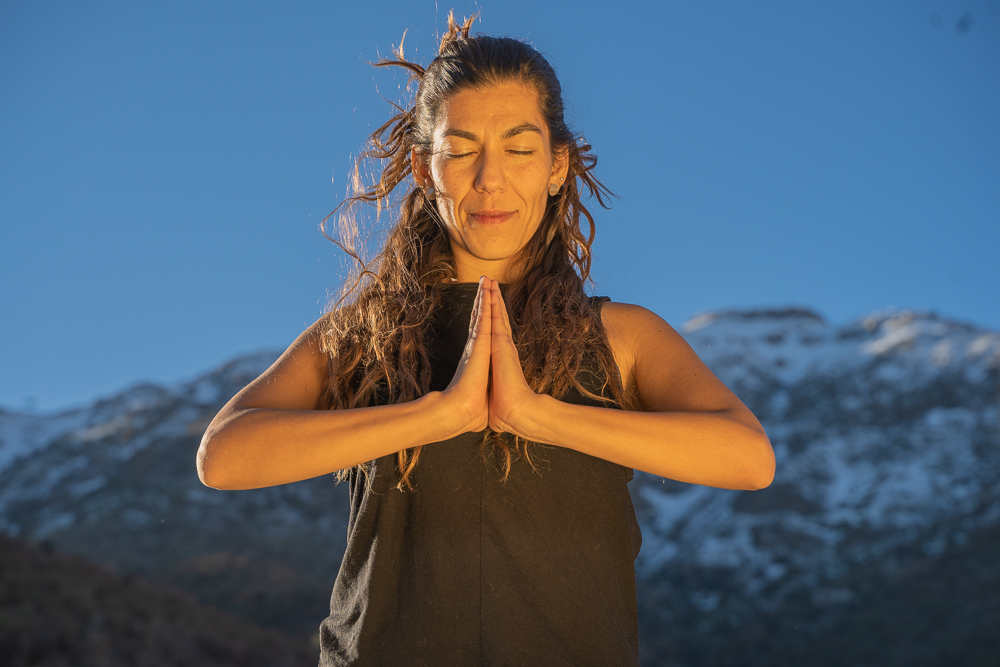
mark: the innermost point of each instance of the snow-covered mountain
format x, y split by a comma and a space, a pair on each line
886, 433
116, 483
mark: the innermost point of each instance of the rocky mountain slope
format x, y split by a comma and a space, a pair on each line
116, 483
887, 445
885, 432
62, 610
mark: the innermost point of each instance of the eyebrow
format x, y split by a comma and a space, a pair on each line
514, 131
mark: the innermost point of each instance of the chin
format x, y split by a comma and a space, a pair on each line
494, 254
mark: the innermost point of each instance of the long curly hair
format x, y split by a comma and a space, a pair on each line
375, 332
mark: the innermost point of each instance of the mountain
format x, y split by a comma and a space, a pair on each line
887, 446
887, 440
62, 610
116, 483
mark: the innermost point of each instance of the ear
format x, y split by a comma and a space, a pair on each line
420, 167
560, 166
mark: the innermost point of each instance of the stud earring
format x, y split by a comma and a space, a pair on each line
553, 189
430, 193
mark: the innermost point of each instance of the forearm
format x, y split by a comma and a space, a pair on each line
711, 448
258, 447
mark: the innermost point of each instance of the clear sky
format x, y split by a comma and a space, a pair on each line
164, 166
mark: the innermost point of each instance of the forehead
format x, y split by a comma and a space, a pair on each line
490, 110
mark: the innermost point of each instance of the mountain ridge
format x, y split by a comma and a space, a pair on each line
885, 430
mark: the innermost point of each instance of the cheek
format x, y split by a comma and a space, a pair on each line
447, 203
448, 180
533, 180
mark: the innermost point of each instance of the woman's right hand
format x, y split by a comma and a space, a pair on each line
468, 392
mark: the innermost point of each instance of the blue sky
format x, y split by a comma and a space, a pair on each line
164, 166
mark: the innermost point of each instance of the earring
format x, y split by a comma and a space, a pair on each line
430, 193
553, 189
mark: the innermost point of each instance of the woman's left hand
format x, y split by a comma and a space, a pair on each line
509, 393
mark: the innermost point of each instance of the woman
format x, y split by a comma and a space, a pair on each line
486, 411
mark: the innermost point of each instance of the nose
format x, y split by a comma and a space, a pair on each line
490, 176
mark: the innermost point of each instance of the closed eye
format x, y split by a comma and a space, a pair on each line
512, 152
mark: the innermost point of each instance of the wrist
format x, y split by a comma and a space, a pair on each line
445, 418
533, 419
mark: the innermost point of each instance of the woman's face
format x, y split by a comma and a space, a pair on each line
491, 166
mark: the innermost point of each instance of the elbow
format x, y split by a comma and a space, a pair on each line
208, 470
762, 472
762, 478
201, 463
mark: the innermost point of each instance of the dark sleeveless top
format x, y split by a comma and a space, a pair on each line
466, 569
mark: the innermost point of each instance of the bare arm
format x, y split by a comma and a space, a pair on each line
272, 433
690, 426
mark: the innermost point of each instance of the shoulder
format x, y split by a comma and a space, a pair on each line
630, 327
630, 330
311, 344
630, 318
298, 377
657, 365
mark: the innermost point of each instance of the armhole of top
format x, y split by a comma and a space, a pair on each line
597, 303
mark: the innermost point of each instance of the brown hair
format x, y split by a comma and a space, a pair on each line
376, 330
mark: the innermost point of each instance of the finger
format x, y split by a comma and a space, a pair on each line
498, 311
474, 317
503, 306
477, 309
475, 323
485, 308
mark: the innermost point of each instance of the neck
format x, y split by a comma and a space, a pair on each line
470, 269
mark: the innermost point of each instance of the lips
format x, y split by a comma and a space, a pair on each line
491, 216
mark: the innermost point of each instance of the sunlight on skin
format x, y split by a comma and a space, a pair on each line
491, 165
509, 390
490, 399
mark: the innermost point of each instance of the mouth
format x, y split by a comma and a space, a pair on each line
491, 216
